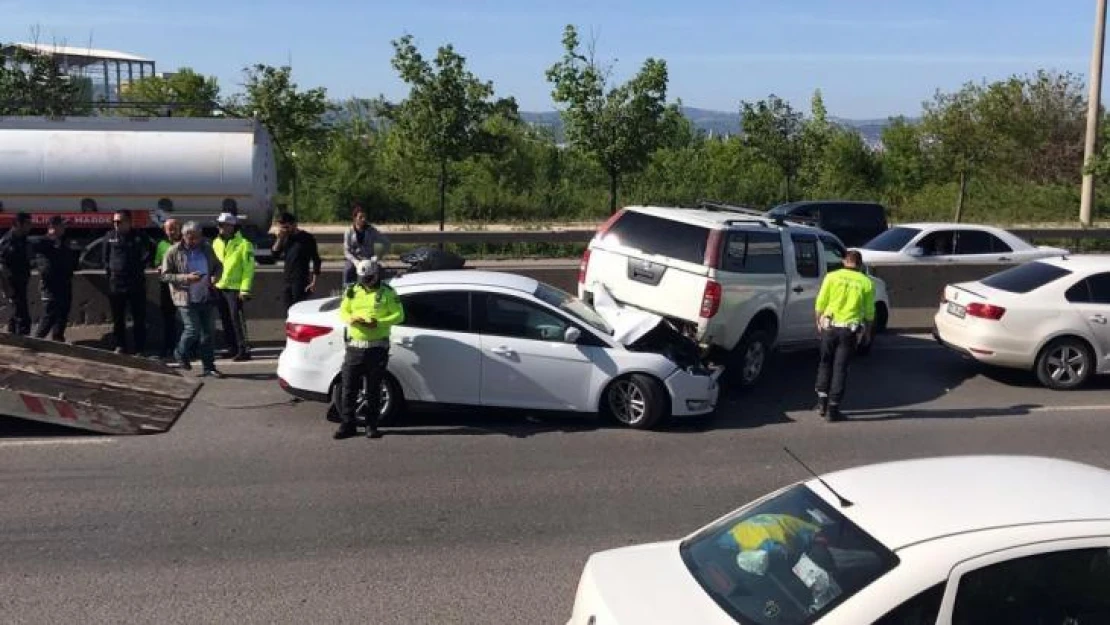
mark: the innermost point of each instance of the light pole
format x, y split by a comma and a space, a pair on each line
1093, 106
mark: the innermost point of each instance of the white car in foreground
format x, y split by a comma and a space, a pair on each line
483, 338
1048, 315
951, 242
1025, 540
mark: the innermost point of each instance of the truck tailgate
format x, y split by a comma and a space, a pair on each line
663, 286
88, 388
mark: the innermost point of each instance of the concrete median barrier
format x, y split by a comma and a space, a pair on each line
914, 291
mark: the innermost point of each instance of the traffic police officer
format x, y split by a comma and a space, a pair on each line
370, 309
56, 263
236, 254
845, 310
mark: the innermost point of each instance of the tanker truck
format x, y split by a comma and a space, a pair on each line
84, 168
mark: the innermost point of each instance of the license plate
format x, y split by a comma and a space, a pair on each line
956, 310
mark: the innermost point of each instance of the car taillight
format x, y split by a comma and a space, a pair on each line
710, 299
304, 333
985, 311
582, 266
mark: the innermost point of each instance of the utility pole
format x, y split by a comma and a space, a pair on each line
1093, 106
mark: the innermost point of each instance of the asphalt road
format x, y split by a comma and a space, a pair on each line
248, 512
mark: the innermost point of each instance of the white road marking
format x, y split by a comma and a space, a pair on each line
58, 441
1071, 408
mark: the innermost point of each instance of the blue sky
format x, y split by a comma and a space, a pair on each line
870, 58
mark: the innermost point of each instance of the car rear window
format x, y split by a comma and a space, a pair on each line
790, 559
892, 240
1025, 278
665, 237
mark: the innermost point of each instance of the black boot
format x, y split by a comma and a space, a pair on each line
822, 405
834, 414
345, 431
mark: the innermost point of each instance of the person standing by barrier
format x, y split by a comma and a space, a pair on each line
191, 269
845, 310
15, 260
298, 250
56, 263
370, 309
358, 244
236, 254
172, 228
127, 253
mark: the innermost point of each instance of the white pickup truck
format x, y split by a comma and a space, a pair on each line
740, 284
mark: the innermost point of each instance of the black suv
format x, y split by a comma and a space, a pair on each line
854, 223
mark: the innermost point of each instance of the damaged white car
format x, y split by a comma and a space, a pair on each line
493, 339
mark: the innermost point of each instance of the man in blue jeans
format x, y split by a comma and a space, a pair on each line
191, 269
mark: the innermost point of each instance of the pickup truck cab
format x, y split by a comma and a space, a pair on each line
740, 284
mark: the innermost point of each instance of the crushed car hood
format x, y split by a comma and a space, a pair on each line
629, 324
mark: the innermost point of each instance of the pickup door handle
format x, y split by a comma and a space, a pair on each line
1098, 319
1004, 258
798, 289
503, 351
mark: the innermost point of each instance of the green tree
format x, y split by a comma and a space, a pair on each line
957, 127
442, 121
903, 162
184, 94
618, 126
776, 132
34, 84
293, 117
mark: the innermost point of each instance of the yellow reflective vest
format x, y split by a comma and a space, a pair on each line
237, 256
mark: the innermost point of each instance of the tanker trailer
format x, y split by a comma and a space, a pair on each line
189, 168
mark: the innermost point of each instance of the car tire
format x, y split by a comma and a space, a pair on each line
882, 318
637, 401
393, 409
1064, 364
748, 360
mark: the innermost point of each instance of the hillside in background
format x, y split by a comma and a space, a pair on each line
717, 123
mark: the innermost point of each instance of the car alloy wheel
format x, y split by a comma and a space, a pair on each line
1064, 364
627, 402
638, 401
754, 358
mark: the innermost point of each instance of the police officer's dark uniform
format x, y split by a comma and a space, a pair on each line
15, 258
845, 310
56, 263
127, 254
370, 309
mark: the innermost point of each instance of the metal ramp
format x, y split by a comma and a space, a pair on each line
89, 389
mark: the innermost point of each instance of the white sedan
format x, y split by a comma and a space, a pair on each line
1027, 541
951, 242
483, 338
1049, 316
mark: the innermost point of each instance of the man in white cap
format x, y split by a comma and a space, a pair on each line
236, 254
370, 308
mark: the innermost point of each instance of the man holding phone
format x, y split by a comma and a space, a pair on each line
191, 269
370, 308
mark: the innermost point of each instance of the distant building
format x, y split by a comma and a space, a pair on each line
106, 73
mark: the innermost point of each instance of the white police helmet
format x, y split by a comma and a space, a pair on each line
367, 268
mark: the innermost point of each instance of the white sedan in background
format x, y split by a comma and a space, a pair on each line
1027, 541
483, 338
1048, 315
951, 242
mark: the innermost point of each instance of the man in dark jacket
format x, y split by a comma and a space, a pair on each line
301, 257
56, 263
15, 262
127, 254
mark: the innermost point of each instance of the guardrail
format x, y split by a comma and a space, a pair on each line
583, 235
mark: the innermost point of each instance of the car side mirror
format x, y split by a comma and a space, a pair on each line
916, 252
572, 335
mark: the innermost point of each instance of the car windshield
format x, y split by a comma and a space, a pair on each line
1025, 278
787, 560
892, 240
576, 307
